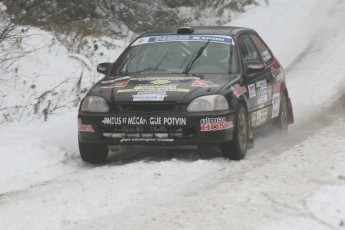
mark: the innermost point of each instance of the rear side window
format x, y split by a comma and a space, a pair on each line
247, 49
265, 53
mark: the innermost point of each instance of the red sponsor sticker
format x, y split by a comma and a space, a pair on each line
215, 124
116, 85
84, 128
238, 90
202, 83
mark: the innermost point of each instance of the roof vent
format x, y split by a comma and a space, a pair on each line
185, 30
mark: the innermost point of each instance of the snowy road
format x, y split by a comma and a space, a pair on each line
296, 183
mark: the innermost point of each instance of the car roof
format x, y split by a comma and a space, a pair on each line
200, 30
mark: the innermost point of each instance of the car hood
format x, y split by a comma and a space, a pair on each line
178, 88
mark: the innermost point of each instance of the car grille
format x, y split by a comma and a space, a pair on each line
149, 132
148, 107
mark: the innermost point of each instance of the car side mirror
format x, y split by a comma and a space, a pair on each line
253, 67
103, 68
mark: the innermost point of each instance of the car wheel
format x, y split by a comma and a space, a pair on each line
282, 122
93, 153
237, 148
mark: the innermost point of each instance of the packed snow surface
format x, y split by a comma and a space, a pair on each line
293, 182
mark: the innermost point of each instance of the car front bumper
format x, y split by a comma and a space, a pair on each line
156, 128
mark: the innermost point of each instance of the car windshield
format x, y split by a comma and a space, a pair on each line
178, 54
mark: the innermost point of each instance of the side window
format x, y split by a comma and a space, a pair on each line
263, 49
247, 49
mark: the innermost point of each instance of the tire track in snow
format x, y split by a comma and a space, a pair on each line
296, 61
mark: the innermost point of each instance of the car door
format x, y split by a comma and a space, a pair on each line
259, 84
276, 73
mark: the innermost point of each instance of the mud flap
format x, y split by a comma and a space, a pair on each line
291, 118
250, 132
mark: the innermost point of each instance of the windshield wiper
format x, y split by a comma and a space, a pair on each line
195, 56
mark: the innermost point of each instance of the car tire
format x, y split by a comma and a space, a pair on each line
93, 153
282, 121
237, 148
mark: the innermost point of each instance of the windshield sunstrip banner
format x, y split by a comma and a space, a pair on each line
174, 38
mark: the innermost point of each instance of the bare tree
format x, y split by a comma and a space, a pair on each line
11, 36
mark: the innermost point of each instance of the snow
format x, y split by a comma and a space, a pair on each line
296, 182
35, 152
51, 67
303, 35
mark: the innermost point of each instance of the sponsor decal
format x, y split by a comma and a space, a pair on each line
202, 83
174, 121
160, 82
276, 105
261, 84
84, 128
238, 90
252, 90
262, 99
146, 140
154, 88
114, 120
116, 85
149, 96
215, 124
169, 78
266, 55
134, 120
168, 121
172, 38
262, 93
150, 86
261, 117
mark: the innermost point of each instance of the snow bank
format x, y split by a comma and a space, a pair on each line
47, 77
37, 152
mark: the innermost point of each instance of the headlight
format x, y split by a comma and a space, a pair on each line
94, 104
208, 103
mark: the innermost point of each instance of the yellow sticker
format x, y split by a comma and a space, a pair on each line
160, 82
261, 116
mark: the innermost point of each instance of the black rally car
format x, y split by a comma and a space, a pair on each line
185, 86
